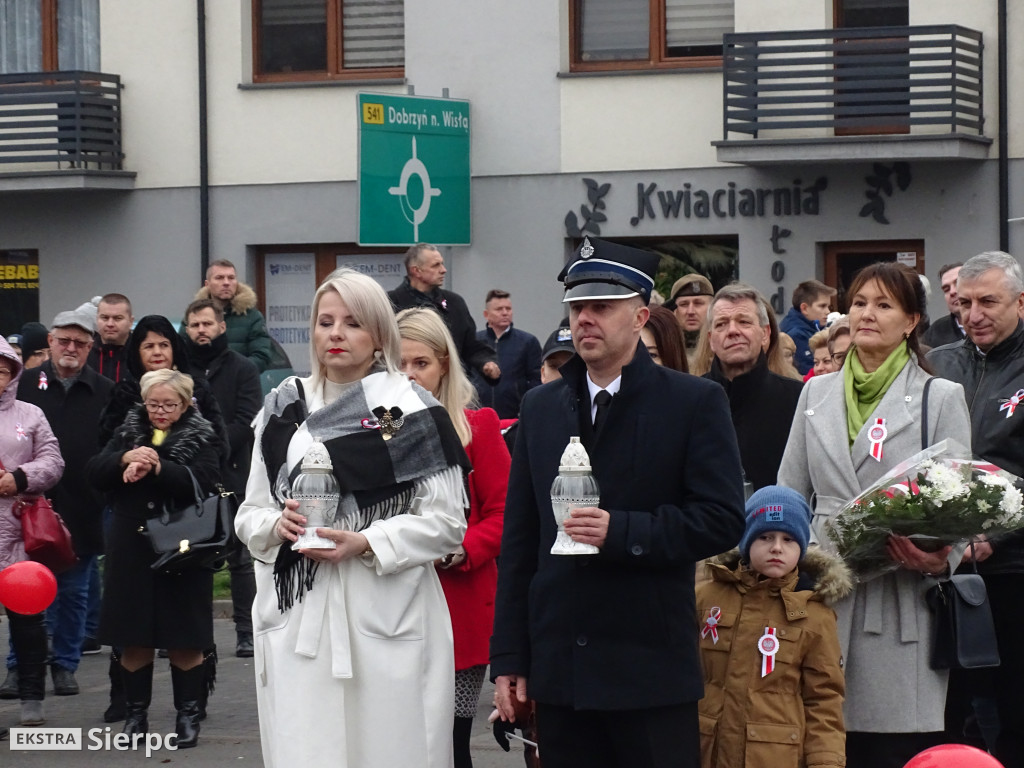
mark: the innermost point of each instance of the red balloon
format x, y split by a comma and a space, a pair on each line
953, 756
27, 587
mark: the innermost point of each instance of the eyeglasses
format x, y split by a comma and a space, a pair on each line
161, 407
67, 341
839, 358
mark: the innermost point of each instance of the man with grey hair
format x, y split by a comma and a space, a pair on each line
762, 402
424, 276
72, 395
989, 364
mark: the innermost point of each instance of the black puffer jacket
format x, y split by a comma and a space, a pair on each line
989, 380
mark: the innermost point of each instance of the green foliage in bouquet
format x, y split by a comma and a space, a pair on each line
939, 502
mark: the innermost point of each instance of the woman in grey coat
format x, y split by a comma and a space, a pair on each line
894, 700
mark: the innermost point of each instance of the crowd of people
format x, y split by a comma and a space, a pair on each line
714, 626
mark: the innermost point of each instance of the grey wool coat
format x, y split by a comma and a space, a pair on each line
885, 626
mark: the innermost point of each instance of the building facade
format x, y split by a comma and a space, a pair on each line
822, 135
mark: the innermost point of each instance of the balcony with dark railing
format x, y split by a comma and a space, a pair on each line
869, 93
61, 130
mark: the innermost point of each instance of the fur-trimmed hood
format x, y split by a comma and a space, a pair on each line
243, 301
820, 575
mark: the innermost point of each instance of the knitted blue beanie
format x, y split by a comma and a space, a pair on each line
776, 508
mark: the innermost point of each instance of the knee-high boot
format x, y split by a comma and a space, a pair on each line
138, 691
188, 690
209, 678
115, 712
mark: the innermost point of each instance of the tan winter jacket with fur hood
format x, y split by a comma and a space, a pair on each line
792, 717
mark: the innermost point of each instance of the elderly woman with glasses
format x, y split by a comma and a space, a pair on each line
150, 462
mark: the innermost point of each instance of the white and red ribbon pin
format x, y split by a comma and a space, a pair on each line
20, 431
877, 435
711, 624
43, 383
1011, 405
768, 645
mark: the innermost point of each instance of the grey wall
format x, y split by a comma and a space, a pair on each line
145, 243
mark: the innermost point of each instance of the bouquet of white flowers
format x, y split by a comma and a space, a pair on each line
938, 497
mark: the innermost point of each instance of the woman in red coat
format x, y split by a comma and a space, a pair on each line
468, 575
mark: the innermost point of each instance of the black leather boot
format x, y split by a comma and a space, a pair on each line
115, 712
138, 691
188, 690
209, 678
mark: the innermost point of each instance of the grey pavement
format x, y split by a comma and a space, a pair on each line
230, 733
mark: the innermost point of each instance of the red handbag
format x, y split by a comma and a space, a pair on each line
46, 538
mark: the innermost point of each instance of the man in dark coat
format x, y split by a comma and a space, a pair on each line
424, 276
762, 402
235, 382
989, 364
518, 357
246, 327
72, 395
110, 343
606, 643
948, 329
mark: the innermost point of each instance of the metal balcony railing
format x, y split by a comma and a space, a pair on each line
854, 81
61, 120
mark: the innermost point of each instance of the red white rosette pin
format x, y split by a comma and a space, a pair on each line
768, 645
711, 624
877, 434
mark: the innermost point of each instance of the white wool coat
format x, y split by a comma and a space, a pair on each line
360, 674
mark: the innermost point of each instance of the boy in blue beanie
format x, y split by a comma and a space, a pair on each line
773, 678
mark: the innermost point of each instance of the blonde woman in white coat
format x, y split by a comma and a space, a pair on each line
353, 645
894, 700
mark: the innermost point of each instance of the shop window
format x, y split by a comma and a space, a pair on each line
49, 36
645, 34
328, 39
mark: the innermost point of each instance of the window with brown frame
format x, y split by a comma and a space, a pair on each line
648, 34
49, 36
327, 39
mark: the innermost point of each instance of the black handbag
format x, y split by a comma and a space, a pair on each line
965, 635
196, 535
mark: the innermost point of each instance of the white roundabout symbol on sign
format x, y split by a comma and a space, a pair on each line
414, 167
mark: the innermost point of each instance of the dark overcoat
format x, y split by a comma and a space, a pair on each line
142, 607
616, 630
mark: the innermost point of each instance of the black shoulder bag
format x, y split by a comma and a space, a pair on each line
195, 535
965, 635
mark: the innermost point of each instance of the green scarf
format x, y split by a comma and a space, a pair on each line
865, 390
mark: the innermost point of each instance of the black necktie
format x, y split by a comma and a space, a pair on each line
602, 400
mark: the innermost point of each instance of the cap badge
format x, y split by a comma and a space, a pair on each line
564, 334
586, 250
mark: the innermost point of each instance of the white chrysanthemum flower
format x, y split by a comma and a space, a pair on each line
1011, 501
983, 506
944, 484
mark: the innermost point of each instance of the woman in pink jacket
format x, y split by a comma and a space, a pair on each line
31, 464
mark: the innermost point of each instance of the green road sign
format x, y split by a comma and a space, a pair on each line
413, 170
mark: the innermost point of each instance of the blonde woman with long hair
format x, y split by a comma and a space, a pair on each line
468, 573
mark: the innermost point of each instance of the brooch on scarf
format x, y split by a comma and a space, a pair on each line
1011, 404
388, 421
43, 383
20, 431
